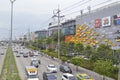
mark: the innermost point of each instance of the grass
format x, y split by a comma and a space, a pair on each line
9, 72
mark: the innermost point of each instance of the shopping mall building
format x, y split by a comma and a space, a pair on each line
99, 26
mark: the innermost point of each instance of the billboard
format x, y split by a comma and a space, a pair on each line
106, 21
117, 19
97, 23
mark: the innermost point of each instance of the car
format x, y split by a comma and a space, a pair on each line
25, 54
31, 54
51, 68
35, 53
35, 63
83, 77
35, 58
68, 76
2, 53
21, 52
49, 76
65, 68
17, 54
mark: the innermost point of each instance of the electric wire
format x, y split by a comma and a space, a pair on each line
91, 7
76, 6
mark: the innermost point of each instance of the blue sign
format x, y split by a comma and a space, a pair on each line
118, 21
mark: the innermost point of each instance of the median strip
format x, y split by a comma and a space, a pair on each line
6, 73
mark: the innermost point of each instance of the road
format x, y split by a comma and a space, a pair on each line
45, 60
2, 49
22, 62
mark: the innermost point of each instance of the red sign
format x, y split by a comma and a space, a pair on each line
97, 23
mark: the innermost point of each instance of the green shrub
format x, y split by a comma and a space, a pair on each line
83, 63
63, 58
106, 68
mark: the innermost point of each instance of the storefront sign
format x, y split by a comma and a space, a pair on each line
106, 21
97, 23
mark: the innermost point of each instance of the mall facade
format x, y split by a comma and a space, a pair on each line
104, 24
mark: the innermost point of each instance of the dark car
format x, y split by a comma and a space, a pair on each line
25, 54
35, 63
49, 76
65, 68
2, 53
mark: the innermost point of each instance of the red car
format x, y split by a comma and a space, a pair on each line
31, 53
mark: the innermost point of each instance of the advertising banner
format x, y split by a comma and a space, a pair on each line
106, 21
97, 23
116, 19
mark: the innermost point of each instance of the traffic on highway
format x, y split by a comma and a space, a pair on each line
34, 65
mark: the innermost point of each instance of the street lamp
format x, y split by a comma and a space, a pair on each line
12, 1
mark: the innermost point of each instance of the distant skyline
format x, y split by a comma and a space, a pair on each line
34, 14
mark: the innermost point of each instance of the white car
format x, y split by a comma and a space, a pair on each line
17, 54
35, 53
52, 68
68, 76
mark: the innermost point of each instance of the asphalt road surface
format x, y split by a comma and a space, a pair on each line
2, 56
22, 62
45, 60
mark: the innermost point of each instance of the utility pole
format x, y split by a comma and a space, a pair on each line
29, 36
58, 33
81, 12
89, 11
58, 16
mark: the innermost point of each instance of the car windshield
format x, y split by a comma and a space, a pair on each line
51, 66
51, 77
72, 78
86, 77
35, 62
66, 68
32, 76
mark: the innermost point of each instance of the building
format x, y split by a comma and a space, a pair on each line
105, 22
69, 27
52, 30
41, 34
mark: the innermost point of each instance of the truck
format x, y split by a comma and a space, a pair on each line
31, 73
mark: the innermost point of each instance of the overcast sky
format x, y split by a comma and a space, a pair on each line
34, 14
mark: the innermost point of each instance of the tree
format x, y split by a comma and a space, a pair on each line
64, 48
116, 56
71, 47
104, 67
79, 48
88, 51
104, 52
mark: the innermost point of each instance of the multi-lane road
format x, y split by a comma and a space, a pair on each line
2, 56
22, 62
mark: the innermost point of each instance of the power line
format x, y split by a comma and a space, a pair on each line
46, 21
76, 6
91, 7
72, 5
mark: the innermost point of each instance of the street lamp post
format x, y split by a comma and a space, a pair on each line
12, 1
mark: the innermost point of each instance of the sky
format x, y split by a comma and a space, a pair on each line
36, 14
